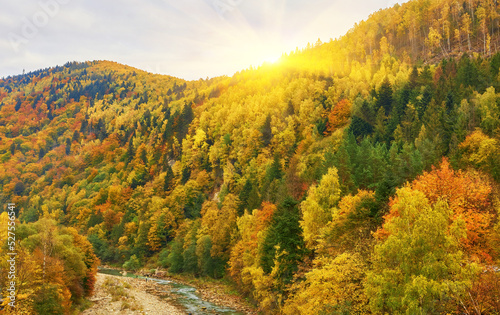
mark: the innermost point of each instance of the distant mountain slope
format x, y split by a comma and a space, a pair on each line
281, 175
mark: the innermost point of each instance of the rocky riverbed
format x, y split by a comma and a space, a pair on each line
161, 294
215, 294
122, 295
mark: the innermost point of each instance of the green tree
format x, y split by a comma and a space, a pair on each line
266, 131
175, 257
48, 301
244, 196
384, 97
489, 109
283, 243
190, 259
132, 264
208, 265
169, 179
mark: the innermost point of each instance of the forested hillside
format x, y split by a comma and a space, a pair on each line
355, 176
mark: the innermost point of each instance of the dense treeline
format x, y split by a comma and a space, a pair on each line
55, 267
350, 177
416, 31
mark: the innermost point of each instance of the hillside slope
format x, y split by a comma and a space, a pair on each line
321, 177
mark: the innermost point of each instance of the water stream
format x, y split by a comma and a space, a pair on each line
186, 296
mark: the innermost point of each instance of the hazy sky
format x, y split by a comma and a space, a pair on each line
189, 39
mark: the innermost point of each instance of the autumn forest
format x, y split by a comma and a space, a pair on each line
355, 176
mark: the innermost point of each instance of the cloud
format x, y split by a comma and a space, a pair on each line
188, 39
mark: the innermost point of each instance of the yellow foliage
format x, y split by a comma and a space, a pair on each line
481, 150
130, 228
333, 283
4, 219
153, 238
318, 207
220, 224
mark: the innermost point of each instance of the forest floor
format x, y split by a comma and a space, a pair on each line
122, 295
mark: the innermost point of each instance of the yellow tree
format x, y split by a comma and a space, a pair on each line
332, 284
351, 226
465, 27
487, 104
458, 38
245, 254
220, 224
317, 208
154, 241
470, 199
482, 16
434, 40
419, 266
28, 282
482, 152
444, 21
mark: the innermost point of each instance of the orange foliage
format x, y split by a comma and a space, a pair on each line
53, 273
484, 294
339, 116
468, 196
245, 254
464, 192
111, 218
296, 185
236, 263
264, 215
91, 260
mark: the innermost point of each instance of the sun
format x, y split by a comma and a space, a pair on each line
272, 59
264, 53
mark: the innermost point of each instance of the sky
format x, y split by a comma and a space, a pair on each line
189, 39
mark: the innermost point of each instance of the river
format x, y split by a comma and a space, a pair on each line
185, 296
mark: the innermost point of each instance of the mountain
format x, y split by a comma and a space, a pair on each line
359, 175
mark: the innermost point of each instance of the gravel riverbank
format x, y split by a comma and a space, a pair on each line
121, 295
